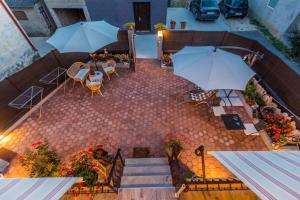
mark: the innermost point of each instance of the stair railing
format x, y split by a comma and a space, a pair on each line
115, 174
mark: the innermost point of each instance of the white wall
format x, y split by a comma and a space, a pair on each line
279, 19
15, 51
35, 26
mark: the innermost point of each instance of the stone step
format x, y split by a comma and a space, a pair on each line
146, 181
147, 170
146, 161
147, 194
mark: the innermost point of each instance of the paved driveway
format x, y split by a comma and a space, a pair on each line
182, 14
221, 24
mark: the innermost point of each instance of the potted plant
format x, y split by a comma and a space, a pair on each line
166, 60
172, 24
40, 160
188, 176
129, 25
174, 149
278, 128
91, 165
183, 24
160, 27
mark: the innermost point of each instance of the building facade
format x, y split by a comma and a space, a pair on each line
66, 12
16, 50
33, 16
145, 13
279, 16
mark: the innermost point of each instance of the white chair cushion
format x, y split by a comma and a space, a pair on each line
107, 69
81, 74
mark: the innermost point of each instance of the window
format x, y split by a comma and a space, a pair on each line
20, 15
272, 3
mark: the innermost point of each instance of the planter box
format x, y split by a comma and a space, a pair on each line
165, 66
266, 138
122, 65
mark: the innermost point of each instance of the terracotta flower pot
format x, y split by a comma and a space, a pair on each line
173, 24
183, 25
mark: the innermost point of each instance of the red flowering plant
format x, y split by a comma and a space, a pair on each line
90, 165
40, 160
277, 127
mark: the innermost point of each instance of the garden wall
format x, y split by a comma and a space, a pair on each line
14, 85
276, 75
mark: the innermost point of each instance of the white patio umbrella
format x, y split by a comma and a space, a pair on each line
271, 175
35, 188
211, 68
84, 37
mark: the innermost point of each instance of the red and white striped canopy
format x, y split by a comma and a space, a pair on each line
271, 175
34, 188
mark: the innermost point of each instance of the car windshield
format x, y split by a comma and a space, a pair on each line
209, 3
239, 3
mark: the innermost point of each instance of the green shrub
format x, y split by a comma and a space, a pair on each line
160, 26
294, 38
275, 42
40, 161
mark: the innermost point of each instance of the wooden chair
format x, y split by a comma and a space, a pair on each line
199, 98
109, 68
74, 69
95, 87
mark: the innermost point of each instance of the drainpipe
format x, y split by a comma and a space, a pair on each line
6, 8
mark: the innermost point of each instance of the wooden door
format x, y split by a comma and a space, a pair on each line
142, 16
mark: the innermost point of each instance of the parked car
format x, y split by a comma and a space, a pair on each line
205, 9
234, 8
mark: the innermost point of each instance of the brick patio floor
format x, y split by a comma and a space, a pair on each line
139, 109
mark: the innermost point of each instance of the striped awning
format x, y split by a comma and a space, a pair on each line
34, 188
271, 175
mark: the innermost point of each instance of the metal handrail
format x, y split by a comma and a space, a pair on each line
110, 180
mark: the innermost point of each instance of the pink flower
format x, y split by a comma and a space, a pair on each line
99, 146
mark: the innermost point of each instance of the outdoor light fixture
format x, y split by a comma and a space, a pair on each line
159, 34
200, 153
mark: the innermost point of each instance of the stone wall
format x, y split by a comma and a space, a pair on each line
118, 12
278, 19
15, 51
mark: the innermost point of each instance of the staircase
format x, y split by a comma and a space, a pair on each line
146, 179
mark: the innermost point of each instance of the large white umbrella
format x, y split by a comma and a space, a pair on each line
84, 37
35, 188
271, 175
212, 68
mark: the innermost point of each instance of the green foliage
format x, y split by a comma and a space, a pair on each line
295, 42
175, 144
253, 95
275, 42
188, 174
160, 26
129, 25
40, 161
90, 165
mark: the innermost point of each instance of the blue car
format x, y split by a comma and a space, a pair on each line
205, 9
234, 8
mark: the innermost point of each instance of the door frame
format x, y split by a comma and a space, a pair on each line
148, 3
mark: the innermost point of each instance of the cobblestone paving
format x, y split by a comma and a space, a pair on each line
138, 109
